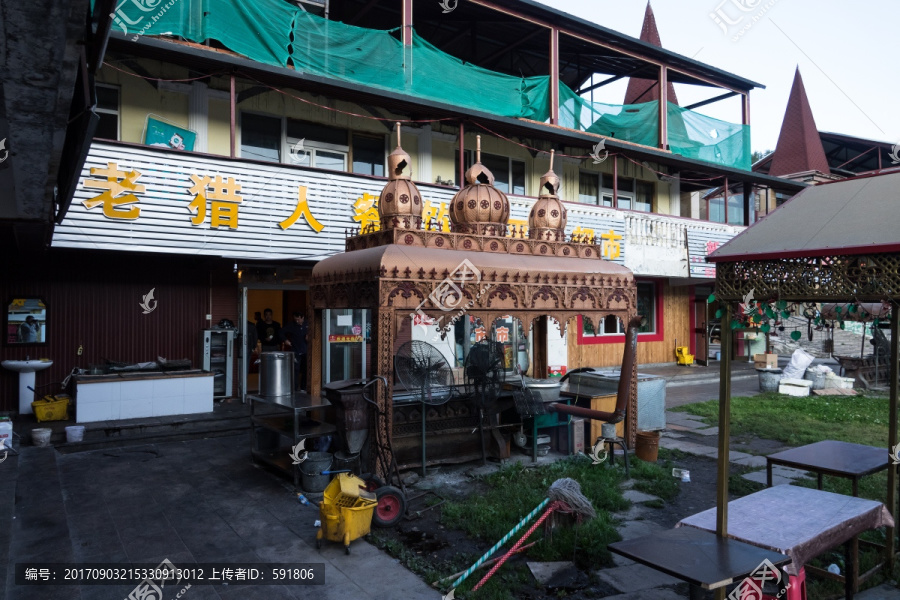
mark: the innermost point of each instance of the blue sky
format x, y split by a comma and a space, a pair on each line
847, 54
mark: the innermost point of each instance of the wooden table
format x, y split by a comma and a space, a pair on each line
800, 522
829, 457
701, 558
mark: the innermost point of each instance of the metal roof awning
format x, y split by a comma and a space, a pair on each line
848, 217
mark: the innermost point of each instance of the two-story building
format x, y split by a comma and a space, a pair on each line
236, 148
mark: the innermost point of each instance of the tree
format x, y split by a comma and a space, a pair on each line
758, 155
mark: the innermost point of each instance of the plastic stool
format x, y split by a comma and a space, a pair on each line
611, 444
796, 591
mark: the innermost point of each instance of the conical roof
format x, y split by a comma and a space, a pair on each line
645, 90
799, 147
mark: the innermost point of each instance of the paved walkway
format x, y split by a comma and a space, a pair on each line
189, 502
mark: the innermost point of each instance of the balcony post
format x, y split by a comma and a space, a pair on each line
748, 195
461, 175
554, 76
406, 31
232, 102
615, 202
745, 108
663, 107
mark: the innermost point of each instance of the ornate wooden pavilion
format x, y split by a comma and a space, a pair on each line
835, 242
482, 267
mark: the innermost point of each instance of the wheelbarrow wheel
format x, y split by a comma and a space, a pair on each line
390, 508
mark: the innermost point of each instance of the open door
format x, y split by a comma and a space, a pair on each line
701, 326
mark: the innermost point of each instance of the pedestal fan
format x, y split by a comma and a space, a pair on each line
484, 380
421, 367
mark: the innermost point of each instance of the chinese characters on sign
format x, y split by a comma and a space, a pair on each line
611, 247
112, 198
224, 197
365, 212
302, 210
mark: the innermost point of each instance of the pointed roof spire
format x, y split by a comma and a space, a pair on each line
645, 90
799, 146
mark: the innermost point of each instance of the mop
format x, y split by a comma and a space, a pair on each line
564, 496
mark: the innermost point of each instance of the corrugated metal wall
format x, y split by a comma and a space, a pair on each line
93, 300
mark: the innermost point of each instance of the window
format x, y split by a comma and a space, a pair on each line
649, 307
589, 188
323, 147
260, 137
509, 174
735, 214
643, 196
108, 109
368, 155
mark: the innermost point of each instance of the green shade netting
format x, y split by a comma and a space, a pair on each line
277, 33
638, 123
378, 59
693, 135
259, 29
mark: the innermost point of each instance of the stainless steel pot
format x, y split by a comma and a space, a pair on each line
546, 389
276, 374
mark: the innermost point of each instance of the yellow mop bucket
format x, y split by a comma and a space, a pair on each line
51, 408
346, 511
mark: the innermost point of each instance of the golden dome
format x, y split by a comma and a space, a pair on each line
479, 207
400, 205
547, 220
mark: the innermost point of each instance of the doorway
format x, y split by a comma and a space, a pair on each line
705, 326
283, 301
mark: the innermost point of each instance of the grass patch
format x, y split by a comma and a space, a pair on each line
655, 503
654, 478
739, 487
797, 421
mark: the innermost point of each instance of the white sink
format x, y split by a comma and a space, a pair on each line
26, 366
26, 370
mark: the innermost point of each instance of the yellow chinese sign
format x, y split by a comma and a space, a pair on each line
365, 212
302, 210
611, 247
583, 234
112, 199
438, 213
224, 198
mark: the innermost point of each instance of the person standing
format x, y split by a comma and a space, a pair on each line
28, 331
297, 335
269, 332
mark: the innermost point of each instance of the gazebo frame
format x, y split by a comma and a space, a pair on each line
807, 276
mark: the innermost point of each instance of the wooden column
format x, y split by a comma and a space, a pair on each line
748, 196
461, 175
383, 365
892, 432
663, 107
554, 76
615, 202
724, 463
314, 352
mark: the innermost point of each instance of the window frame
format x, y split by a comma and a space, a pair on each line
372, 137
658, 335
117, 112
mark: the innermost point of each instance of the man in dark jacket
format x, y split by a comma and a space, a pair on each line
269, 332
296, 334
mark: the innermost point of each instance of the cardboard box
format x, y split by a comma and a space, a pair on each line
794, 387
576, 438
765, 361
